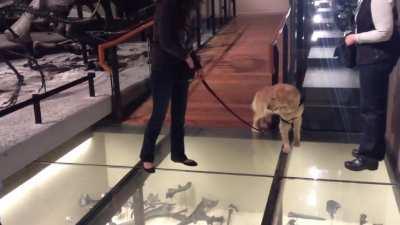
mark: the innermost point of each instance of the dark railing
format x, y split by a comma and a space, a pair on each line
36, 98
293, 33
289, 60
281, 33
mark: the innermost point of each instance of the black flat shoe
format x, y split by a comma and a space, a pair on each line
361, 163
149, 170
187, 162
356, 152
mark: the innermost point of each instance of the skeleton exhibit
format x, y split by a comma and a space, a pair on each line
332, 208
153, 208
52, 41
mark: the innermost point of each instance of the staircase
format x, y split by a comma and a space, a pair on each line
331, 90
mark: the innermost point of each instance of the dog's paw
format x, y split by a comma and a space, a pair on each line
297, 144
286, 148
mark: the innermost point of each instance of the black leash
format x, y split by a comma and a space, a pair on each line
197, 69
229, 109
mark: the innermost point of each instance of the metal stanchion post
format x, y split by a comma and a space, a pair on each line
116, 90
285, 56
36, 108
275, 73
92, 92
213, 25
198, 25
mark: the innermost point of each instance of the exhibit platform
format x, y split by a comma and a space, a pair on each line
97, 182
66, 114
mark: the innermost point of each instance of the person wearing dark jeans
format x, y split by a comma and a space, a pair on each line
377, 42
172, 61
167, 84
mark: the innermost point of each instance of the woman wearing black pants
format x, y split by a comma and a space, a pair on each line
378, 46
171, 62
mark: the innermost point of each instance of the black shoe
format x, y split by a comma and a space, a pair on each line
356, 152
187, 162
149, 170
362, 163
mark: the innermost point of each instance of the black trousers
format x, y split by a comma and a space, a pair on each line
374, 80
168, 84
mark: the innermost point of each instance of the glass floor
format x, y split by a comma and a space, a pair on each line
96, 180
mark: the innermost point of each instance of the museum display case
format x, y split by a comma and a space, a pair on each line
59, 194
330, 203
171, 197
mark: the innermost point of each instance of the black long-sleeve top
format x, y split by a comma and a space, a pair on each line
171, 44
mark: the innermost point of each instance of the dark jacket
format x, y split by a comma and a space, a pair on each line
171, 44
375, 52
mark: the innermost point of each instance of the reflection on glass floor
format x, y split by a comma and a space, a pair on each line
326, 161
230, 155
332, 203
108, 149
232, 182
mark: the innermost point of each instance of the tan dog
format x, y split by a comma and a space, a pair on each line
283, 100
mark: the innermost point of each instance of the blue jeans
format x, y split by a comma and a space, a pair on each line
374, 79
168, 85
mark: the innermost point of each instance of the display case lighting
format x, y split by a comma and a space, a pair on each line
317, 18
18, 194
315, 173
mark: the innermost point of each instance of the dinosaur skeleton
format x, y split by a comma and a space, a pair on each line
232, 209
363, 219
33, 64
73, 29
173, 191
20, 81
86, 200
332, 207
155, 208
200, 213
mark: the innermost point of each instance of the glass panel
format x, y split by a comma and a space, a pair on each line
338, 203
230, 155
326, 160
220, 199
104, 148
58, 194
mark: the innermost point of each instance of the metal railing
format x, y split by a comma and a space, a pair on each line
292, 35
37, 98
281, 32
289, 60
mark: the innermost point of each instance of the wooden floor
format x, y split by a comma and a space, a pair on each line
237, 63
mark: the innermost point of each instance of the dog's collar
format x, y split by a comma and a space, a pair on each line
291, 121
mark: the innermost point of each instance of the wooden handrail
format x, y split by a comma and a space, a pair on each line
281, 26
114, 42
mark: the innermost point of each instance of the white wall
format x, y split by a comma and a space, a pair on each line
262, 6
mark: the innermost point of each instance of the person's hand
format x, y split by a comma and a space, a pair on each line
190, 62
351, 39
198, 73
